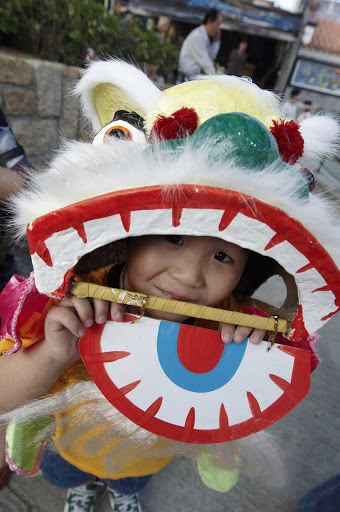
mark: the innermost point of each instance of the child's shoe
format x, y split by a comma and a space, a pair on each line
81, 498
124, 502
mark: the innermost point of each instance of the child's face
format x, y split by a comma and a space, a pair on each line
203, 270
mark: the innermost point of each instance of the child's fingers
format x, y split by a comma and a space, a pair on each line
257, 336
117, 311
83, 308
101, 309
59, 318
227, 332
241, 333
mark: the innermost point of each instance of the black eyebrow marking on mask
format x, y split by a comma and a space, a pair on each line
130, 117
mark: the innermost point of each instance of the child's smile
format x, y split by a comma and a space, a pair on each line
202, 270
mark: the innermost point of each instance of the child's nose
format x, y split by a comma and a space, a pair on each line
189, 273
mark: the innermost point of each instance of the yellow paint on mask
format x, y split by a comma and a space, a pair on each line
109, 98
210, 97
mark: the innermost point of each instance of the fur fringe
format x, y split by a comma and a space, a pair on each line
82, 171
321, 135
87, 410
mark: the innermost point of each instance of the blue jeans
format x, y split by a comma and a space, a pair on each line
323, 498
61, 473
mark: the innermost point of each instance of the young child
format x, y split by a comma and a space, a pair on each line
202, 270
169, 186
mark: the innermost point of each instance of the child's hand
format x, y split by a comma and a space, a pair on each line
66, 323
237, 333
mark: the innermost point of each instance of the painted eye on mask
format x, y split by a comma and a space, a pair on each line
182, 382
119, 130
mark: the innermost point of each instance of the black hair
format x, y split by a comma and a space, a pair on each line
210, 15
295, 92
307, 102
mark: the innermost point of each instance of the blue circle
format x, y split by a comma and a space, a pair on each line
223, 372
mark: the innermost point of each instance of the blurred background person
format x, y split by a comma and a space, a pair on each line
126, 19
292, 108
237, 58
200, 48
306, 112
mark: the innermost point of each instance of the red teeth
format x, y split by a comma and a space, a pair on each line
176, 215
126, 220
254, 405
277, 239
280, 382
330, 315
224, 420
105, 357
189, 424
44, 253
81, 232
326, 288
151, 411
309, 266
227, 217
129, 387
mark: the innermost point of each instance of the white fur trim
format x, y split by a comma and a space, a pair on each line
321, 135
126, 77
83, 171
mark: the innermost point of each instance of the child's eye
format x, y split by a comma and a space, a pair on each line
175, 239
222, 256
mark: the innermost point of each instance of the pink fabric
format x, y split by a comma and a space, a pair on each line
18, 301
307, 344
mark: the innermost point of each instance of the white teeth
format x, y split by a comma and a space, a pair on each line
307, 282
249, 233
289, 257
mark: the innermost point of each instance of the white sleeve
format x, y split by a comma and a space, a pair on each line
214, 48
201, 54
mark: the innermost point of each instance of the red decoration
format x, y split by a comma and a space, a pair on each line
289, 140
179, 125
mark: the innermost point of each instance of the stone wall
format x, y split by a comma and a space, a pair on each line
35, 95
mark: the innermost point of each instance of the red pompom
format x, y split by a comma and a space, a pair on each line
179, 125
289, 140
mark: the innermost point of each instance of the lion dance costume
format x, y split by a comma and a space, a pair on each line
210, 157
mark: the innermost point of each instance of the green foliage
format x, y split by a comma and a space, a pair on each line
62, 30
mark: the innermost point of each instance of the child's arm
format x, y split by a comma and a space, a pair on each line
31, 372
